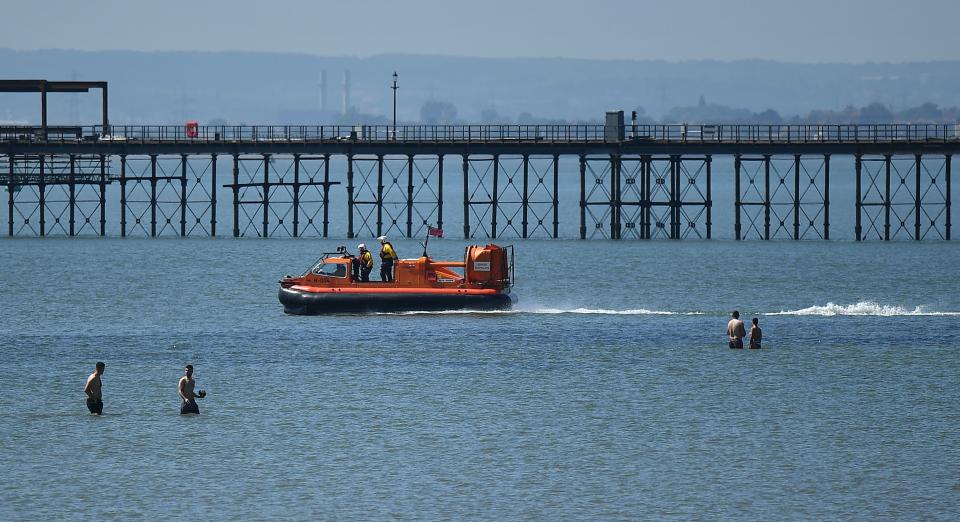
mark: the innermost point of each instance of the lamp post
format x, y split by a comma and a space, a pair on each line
394, 87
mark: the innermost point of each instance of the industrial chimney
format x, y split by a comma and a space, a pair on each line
346, 92
323, 90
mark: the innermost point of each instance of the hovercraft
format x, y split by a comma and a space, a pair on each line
482, 281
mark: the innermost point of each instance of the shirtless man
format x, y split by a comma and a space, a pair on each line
735, 331
187, 396
756, 334
92, 389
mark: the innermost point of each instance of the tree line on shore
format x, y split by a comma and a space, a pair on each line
436, 112
875, 112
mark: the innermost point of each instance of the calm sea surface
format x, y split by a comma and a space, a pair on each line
609, 393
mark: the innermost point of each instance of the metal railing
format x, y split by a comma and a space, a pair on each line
673, 133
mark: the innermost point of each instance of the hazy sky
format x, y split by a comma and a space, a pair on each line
795, 31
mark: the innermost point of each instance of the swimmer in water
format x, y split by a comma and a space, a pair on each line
735, 331
93, 390
188, 403
756, 335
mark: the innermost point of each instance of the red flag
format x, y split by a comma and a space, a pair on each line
435, 232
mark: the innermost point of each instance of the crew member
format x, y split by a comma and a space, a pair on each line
354, 265
92, 389
188, 403
735, 331
387, 257
365, 261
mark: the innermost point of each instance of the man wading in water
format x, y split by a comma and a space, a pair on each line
735, 331
188, 403
92, 389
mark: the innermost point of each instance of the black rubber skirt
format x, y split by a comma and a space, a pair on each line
308, 303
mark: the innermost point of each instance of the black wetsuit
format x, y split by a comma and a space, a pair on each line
95, 406
355, 268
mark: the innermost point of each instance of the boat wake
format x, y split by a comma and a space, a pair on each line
863, 308
558, 311
604, 311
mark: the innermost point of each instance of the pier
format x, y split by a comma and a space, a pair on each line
636, 181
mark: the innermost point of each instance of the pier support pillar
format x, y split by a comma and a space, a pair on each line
583, 196
123, 195
946, 167
466, 196
103, 190
736, 189
525, 200
615, 165
350, 189
410, 195
674, 203
918, 196
826, 196
266, 195
645, 196
213, 195
326, 195
296, 195
153, 195
73, 192
495, 196
556, 198
440, 191
42, 194
11, 190
709, 202
379, 198
887, 164
858, 168
236, 195
183, 195
796, 197
766, 197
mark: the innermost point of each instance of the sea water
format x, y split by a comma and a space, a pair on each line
607, 393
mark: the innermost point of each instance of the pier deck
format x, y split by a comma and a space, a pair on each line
636, 181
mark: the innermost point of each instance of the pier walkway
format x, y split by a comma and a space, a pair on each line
636, 181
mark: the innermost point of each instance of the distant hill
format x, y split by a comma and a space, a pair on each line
262, 88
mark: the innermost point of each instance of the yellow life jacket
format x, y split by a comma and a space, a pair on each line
366, 259
387, 253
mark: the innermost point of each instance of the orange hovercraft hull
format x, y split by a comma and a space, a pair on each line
481, 282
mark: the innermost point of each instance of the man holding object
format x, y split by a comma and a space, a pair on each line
187, 396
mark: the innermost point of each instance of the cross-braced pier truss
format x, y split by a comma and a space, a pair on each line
510, 196
398, 195
903, 197
646, 197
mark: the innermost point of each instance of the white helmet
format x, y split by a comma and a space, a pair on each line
382, 239
361, 246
